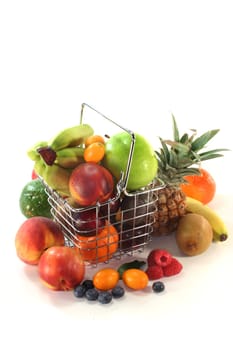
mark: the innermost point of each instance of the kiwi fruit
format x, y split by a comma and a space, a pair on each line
194, 234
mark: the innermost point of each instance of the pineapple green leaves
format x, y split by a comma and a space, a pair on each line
183, 155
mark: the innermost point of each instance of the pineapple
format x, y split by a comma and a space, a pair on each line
178, 158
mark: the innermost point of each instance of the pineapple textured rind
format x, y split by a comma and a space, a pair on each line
171, 205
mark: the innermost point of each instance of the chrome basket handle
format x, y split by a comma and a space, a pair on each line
125, 176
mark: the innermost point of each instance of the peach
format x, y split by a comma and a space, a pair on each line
61, 268
34, 236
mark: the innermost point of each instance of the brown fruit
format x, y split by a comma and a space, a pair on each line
194, 234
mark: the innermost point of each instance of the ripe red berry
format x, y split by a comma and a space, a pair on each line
160, 257
154, 272
173, 268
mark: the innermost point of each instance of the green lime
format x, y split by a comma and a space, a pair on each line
34, 200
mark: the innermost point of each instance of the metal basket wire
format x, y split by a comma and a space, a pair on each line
126, 229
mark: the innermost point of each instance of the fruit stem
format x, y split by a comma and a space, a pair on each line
136, 264
47, 154
223, 237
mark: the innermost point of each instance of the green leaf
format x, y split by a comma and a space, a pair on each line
212, 156
173, 159
195, 157
161, 158
165, 150
175, 130
179, 147
212, 153
191, 171
215, 151
184, 139
201, 141
193, 135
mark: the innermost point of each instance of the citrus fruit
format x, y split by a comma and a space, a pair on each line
135, 279
201, 187
94, 152
100, 247
106, 278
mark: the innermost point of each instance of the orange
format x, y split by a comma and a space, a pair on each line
106, 278
135, 279
201, 187
94, 138
94, 152
101, 247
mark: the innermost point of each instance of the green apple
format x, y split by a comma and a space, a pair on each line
144, 164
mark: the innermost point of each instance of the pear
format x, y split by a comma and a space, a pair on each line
194, 234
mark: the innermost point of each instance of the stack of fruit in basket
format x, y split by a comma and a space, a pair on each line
87, 173
57, 159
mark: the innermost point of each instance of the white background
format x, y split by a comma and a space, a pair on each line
137, 62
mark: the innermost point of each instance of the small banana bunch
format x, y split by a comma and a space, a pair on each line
220, 232
55, 160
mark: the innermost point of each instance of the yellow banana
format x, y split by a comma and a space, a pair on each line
220, 232
69, 157
39, 167
57, 178
70, 137
54, 160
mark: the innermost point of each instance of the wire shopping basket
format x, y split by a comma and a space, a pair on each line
121, 225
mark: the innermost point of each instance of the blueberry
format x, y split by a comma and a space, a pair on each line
105, 297
88, 284
118, 292
92, 294
79, 291
158, 286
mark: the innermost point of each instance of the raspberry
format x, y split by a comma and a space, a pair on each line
160, 257
154, 272
173, 268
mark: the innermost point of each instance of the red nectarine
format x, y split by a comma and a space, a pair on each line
61, 268
90, 183
35, 235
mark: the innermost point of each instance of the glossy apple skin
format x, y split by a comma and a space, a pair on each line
61, 268
34, 236
144, 163
90, 183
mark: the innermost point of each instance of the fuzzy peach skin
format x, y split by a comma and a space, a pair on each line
61, 268
34, 236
